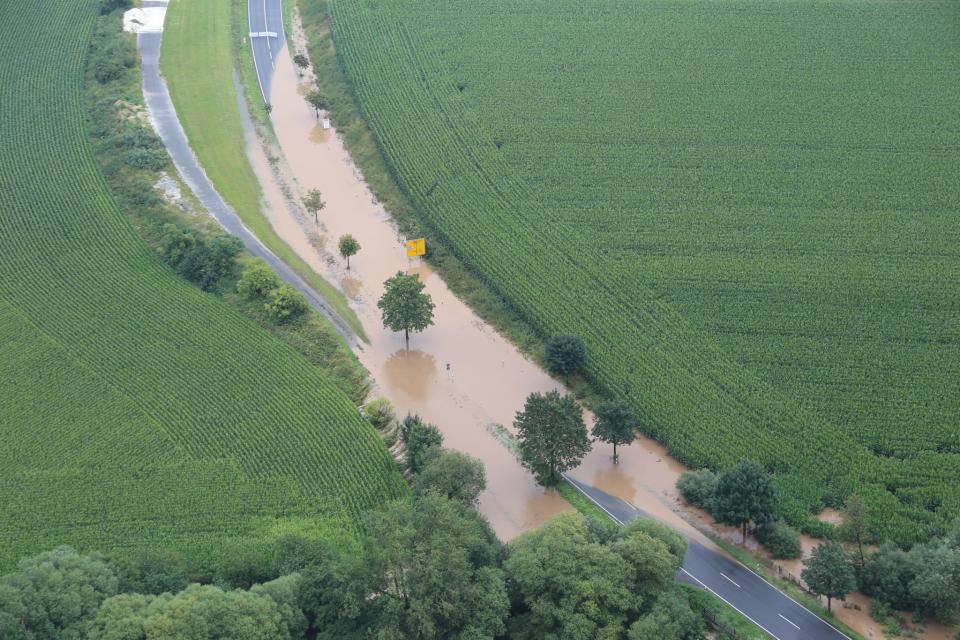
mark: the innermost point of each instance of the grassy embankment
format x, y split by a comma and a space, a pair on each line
201, 48
135, 409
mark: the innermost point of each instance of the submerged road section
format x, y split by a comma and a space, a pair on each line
164, 118
779, 615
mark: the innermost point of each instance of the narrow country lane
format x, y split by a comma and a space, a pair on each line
165, 122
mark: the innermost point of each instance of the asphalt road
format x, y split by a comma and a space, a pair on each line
779, 615
267, 39
164, 118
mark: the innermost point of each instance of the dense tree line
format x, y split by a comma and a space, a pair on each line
924, 580
425, 567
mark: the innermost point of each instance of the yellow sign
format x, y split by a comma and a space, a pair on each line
416, 247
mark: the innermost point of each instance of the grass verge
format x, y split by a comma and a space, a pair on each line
198, 56
116, 116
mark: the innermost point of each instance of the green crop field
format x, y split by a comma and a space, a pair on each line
750, 211
136, 410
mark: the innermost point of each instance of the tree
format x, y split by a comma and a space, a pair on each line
286, 304
422, 442
199, 612
348, 246
55, 595
317, 100
432, 567
856, 525
258, 280
565, 355
699, 487
151, 571
614, 424
745, 494
313, 202
829, 572
780, 539
404, 305
670, 619
552, 435
302, 63
454, 475
566, 583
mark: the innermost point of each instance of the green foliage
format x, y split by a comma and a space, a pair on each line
780, 539
258, 280
452, 474
196, 259
432, 565
151, 571
698, 487
565, 355
733, 259
286, 304
54, 596
566, 583
670, 619
313, 202
137, 410
348, 246
199, 612
829, 572
404, 305
745, 494
316, 99
552, 435
614, 424
422, 441
108, 6
380, 413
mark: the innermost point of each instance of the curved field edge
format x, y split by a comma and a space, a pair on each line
707, 408
201, 41
136, 410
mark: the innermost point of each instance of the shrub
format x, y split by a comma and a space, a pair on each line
286, 304
698, 487
380, 413
423, 442
258, 280
780, 539
565, 355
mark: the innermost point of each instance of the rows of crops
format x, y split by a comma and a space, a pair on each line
747, 209
135, 409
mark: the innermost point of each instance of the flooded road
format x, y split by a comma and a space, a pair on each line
458, 374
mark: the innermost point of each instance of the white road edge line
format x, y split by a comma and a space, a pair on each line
731, 581
617, 520
253, 51
788, 621
590, 498
729, 604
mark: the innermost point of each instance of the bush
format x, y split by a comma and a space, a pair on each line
453, 475
286, 304
380, 413
698, 487
780, 539
108, 6
423, 442
140, 158
258, 280
565, 355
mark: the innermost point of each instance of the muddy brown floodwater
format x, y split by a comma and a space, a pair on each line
458, 374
